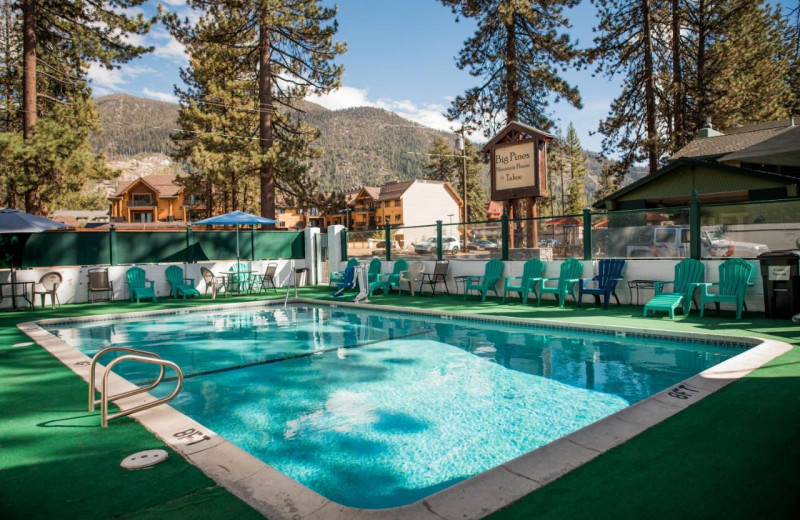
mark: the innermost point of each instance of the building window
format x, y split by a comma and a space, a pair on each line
397, 203
397, 217
142, 216
141, 199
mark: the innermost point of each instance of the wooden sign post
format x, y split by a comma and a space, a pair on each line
518, 159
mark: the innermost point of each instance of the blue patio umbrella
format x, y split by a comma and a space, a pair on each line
235, 218
16, 222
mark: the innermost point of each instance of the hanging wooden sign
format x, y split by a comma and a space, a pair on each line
518, 159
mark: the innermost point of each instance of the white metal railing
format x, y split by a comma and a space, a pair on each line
141, 356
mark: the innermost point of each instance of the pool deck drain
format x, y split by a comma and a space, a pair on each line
279, 497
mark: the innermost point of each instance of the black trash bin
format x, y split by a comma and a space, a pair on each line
779, 271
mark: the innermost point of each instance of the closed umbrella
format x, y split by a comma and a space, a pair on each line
236, 218
16, 222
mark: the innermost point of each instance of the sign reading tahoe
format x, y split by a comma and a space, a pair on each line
514, 166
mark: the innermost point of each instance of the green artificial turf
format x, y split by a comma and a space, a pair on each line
736, 454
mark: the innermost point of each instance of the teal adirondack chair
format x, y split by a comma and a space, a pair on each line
179, 284
531, 275
389, 280
488, 282
338, 276
734, 279
240, 278
374, 271
137, 285
569, 275
688, 274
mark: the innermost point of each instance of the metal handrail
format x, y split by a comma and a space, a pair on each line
93, 366
104, 397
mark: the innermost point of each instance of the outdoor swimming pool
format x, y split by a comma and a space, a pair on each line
374, 410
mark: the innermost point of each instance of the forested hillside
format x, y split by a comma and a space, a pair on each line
361, 145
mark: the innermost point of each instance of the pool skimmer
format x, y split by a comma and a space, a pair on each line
144, 459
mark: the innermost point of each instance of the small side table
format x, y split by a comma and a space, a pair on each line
461, 282
640, 284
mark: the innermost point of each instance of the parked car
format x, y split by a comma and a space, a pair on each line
380, 248
487, 244
428, 247
673, 242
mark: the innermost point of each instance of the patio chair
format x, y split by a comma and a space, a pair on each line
391, 279
531, 275
213, 282
439, 275
734, 279
569, 275
267, 280
688, 273
99, 283
348, 282
337, 276
240, 279
180, 285
609, 272
374, 271
411, 276
48, 284
137, 285
488, 282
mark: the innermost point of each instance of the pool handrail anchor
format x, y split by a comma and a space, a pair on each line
93, 368
105, 398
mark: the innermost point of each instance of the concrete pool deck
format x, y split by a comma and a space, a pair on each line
45, 431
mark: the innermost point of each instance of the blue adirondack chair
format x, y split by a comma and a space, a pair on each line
488, 282
338, 276
348, 281
734, 279
531, 275
138, 285
569, 275
179, 284
609, 272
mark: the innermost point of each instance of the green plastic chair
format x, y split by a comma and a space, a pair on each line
569, 275
374, 271
688, 273
137, 285
179, 284
531, 275
389, 280
338, 276
240, 279
488, 282
734, 279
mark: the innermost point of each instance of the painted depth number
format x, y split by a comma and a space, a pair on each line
191, 432
683, 391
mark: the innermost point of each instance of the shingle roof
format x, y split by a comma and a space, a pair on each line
164, 184
732, 140
394, 190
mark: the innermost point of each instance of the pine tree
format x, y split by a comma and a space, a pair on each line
607, 184
59, 39
446, 164
556, 170
576, 199
516, 52
442, 165
287, 51
625, 46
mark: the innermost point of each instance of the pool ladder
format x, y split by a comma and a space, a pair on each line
133, 354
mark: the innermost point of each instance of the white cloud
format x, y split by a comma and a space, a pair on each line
161, 96
105, 81
426, 114
167, 47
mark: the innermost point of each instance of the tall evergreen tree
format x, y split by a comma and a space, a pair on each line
441, 165
288, 51
625, 47
576, 198
446, 164
516, 53
60, 38
557, 168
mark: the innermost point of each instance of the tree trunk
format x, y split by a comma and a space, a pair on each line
699, 116
649, 89
679, 131
33, 201
265, 134
512, 84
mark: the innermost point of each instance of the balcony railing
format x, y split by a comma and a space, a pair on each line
141, 204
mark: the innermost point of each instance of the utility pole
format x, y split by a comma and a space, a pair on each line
461, 146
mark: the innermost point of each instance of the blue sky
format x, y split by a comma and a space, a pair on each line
401, 57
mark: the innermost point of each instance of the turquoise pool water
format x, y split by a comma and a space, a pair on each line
376, 410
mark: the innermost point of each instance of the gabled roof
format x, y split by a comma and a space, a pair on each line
518, 127
781, 149
164, 185
394, 190
674, 165
737, 140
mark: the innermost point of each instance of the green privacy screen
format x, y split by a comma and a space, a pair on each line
64, 248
